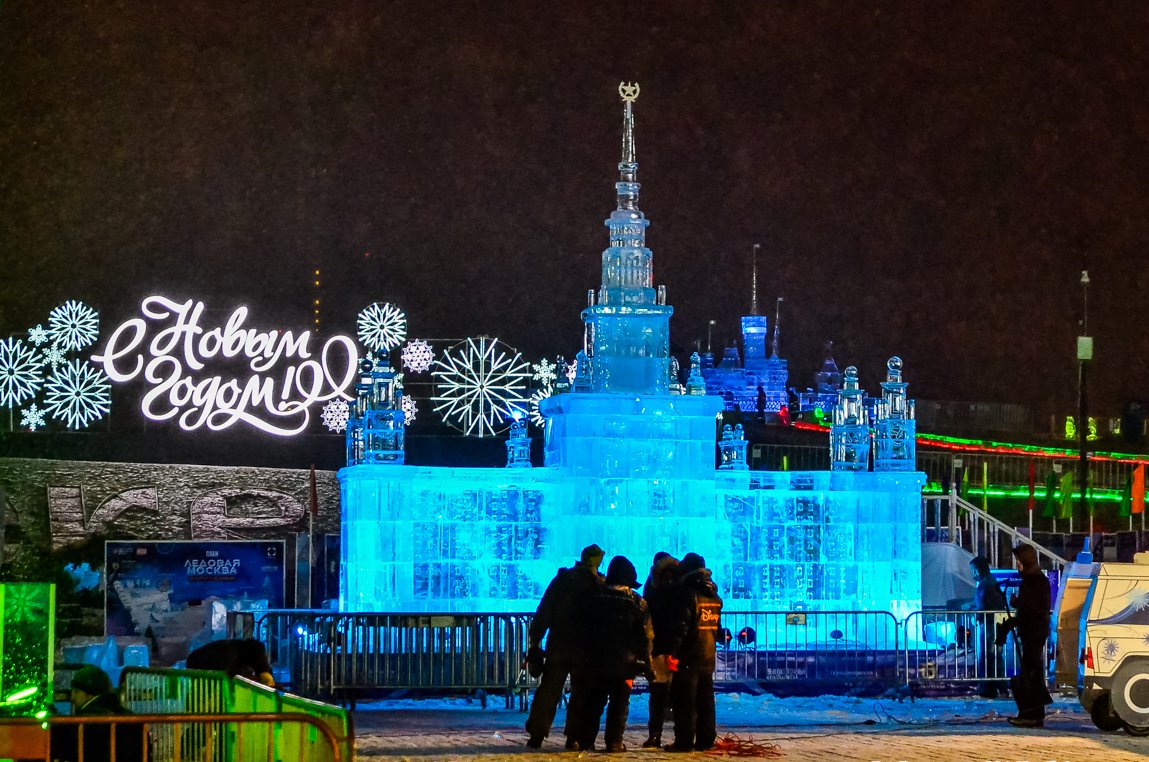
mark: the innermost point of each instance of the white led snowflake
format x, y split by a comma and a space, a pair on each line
335, 415
480, 383
38, 335
19, 372
53, 356
77, 394
32, 417
382, 326
409, 410
418, 356
536, 397
73, 325
545, 372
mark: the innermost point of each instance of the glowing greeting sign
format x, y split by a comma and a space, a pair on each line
191, 373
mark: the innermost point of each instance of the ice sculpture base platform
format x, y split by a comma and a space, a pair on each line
459, 540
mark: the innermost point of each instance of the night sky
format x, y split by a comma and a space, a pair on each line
925, 179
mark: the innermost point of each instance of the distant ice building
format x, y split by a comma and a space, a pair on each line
631, 463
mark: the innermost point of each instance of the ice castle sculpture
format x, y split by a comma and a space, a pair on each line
754, 382
631, 463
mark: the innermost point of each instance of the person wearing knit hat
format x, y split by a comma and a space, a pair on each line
694, 623
93, 695
559, 619
622, 635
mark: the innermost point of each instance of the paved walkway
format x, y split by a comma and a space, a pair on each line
878, 730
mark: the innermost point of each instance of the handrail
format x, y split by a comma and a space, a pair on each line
148, 720
1015, 536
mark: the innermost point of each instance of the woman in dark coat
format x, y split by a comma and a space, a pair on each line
658, 593
1030, 625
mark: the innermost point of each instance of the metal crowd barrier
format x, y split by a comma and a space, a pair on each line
249, 738
338, 655
335, 655
953, 647
199, 692
768, 649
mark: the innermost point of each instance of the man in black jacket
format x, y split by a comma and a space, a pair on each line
695, 622
658, 592
1030, 624
618, 618
92, 695
559, 618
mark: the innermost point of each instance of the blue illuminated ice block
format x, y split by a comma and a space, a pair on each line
631, 464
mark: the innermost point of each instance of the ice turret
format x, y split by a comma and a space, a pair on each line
895, 429
375, 430
849, 434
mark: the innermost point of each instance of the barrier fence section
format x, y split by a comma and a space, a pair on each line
952, 647
252, 737
330, 654
765, 648
200, 692
334, 654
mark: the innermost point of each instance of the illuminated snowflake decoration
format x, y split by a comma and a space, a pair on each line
19, 372
38, 335
545, 372
382, 327
73, 325
1109, 650
572, 371
479, 384
536, 397
77, 394
418, 357
335, 415
33, 418
409, 410
53, 356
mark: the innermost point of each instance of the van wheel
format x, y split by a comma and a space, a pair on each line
1130, 695
1102, 714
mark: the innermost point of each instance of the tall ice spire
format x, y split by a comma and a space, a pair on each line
754, 282
628, 326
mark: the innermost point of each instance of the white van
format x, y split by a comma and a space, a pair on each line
1113, 670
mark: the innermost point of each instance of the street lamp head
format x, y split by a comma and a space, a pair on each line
1085, 277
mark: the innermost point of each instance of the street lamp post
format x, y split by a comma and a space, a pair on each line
1084, 355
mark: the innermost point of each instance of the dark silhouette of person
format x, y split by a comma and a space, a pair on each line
695, 621
987, 597
238, 658
1030, 625
658, 592
618, 625
92, 695
559, 618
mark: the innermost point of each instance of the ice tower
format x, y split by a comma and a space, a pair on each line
631, 463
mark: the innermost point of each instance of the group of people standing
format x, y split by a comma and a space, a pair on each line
602, 634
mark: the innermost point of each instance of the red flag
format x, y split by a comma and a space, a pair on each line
314, 494
1138, 494
1032, 486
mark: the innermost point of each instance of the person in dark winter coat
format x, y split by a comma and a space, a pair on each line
694, 621
987, 597
1030, 625
238, 658
92, 695
559, 619
658, 592
618, 618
